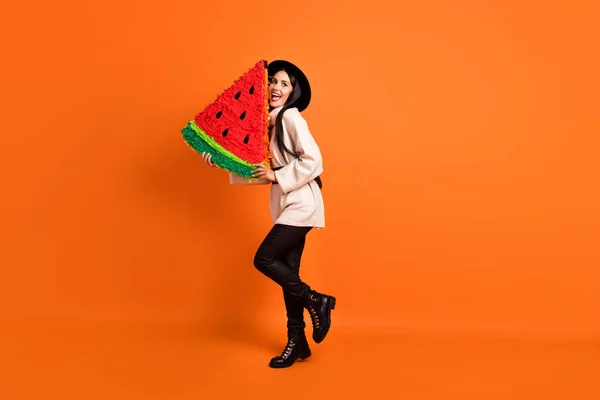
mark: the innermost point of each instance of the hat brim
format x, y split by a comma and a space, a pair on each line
301, 80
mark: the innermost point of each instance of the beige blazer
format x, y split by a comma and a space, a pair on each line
296, 199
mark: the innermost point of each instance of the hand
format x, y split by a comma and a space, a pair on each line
207, 157
263, 172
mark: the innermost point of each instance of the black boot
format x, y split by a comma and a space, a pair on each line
319, 306
296, 348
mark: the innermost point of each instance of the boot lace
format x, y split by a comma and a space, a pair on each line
314, 317
288, 349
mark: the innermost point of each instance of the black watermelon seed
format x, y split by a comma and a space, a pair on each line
225, 131
219, 114
237, 95
246, 139
252, 90
243, 115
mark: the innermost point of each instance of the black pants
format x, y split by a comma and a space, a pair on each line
278, 257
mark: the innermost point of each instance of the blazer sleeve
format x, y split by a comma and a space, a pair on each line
238, 180
309, 165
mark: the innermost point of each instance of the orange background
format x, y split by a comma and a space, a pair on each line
460, 145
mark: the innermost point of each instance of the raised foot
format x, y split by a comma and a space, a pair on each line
320, 312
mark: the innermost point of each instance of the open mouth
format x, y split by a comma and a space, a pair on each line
275, 96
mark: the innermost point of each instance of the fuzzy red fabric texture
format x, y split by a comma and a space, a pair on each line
237, 119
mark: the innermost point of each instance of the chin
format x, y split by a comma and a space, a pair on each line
276, 104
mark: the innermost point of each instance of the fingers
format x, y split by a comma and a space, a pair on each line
260, 171
207, 157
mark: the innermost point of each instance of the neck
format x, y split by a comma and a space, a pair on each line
273, 115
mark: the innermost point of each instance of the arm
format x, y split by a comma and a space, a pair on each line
301, 170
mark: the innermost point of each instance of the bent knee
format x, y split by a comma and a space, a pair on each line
262, 261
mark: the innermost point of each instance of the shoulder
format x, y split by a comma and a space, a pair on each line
292, 116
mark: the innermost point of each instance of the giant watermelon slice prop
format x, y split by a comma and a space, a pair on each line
234, 127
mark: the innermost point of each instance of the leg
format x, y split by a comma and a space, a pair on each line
278, 257
268, 259
293, 306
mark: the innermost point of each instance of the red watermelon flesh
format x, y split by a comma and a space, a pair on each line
238, 118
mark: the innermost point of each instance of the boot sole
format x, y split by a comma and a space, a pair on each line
299, 359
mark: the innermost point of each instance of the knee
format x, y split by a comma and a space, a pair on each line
262, 261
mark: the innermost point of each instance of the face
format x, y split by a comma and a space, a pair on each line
279, 89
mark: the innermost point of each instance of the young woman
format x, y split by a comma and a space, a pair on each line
296, 206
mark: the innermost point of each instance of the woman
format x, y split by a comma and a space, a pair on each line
296, 206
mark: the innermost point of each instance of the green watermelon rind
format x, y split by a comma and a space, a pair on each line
212, 142
201, 142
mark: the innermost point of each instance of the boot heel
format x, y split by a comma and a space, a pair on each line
332, 301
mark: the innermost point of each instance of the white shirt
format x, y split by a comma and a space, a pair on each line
296, 198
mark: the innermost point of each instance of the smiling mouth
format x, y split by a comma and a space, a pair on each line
275, 96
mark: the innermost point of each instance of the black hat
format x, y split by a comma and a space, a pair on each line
301, 80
